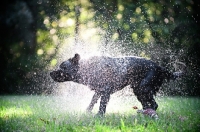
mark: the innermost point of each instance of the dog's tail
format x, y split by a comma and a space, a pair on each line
180, 74
175, 75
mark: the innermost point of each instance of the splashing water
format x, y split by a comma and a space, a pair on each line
87, 48
77, 97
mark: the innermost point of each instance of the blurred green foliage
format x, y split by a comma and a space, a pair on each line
34, 32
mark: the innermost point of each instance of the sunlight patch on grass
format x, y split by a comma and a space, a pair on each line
14, 112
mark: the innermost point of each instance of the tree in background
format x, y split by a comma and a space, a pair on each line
35, 34
20, 24
162, 30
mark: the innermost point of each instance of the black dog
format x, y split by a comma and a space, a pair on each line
106, 75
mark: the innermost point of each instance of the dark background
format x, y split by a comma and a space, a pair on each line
165, 31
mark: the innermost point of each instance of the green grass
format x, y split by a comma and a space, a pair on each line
57, 114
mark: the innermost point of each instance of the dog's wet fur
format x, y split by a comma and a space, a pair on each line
106, 75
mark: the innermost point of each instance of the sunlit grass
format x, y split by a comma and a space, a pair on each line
13, 111
55, 113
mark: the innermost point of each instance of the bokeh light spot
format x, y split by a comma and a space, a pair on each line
53, 62
134, 35
40, 51
138, 10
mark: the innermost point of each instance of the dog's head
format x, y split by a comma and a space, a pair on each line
67, 70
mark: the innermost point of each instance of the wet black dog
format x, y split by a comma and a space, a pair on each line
106, 75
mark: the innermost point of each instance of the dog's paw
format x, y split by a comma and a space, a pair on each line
150, 112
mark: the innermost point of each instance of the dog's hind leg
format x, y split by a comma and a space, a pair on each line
145, 91
147, 100
153, 104
94, 100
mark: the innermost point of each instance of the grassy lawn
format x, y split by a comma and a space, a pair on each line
62, 113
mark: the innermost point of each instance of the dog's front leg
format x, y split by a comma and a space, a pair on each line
94, 100
104, 100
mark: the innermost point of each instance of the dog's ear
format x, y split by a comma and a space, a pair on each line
76, 58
